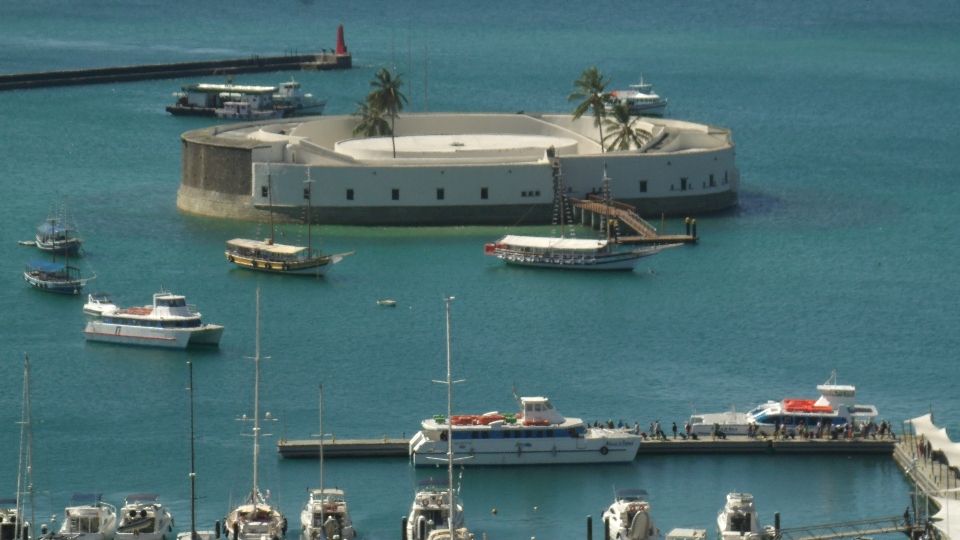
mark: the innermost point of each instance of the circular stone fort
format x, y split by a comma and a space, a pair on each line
449, 169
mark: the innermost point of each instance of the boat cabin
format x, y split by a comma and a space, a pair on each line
214, 95
51, 271
256, 249
546, 245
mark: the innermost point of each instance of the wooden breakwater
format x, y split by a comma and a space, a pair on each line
254, 64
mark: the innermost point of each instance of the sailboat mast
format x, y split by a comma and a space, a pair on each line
270, 201
193, 470
256, 408
25, 468
453, 500
321, 441
309, 194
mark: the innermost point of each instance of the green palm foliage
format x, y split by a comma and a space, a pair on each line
591, 93
372, 122
621, 131
387, 97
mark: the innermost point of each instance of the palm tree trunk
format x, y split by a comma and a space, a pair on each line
393, 140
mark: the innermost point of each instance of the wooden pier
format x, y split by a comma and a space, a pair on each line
618, 212
363, 448
345, 448
254, 64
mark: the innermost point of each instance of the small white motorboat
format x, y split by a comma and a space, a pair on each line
739, 519
89, 518
390, 303
144, 518
98, 304
628, 518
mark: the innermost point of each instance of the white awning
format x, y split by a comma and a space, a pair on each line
939, 440
546, 242
276, 249
947, 519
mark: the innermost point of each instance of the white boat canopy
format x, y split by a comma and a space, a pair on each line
545, 242
276, 249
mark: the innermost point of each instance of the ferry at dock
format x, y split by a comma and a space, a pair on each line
538, 435
169, 323
835, 408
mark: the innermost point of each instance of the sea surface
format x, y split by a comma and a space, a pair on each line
843, 255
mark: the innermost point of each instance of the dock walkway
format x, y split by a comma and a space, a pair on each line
362, 448
254, 64
626, 214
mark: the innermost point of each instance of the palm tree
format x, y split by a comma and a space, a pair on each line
372, 122
388, 98
620, 130
590, 88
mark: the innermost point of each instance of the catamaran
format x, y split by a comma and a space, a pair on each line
255, 518
281, 258
169, 323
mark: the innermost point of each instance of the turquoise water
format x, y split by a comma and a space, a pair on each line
842, 255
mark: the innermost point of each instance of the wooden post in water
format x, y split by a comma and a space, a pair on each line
589, 527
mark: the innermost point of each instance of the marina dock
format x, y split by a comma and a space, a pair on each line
364, 448
595, 208
254, 64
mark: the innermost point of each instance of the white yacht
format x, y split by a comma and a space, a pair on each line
537, 435
10, 527
98, 304
144, 518
255, 518
169, 323
89, 518
628, 518
325, 516
640, 99
835, 408
739, 519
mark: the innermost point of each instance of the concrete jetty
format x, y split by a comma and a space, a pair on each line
254, 64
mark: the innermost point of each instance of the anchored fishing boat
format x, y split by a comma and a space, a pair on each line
834, 409
280, 258
255, 518
89, 518
144, 518
537, 435
628, 518
568, 253
169, 323
54, 277
54, 236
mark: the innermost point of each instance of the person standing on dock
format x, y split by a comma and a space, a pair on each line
674, 430
686, 427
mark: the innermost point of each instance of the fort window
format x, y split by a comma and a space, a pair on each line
643, 186
264, 191
396, 194
523, 194
713, 182
724, 177
538, 193
440, 194
484, 193
683, 184
349, 194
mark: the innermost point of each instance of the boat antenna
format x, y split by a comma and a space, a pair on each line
308, 195
254, 495
517, 397
321, 444
193, 473
450, 490
833, 378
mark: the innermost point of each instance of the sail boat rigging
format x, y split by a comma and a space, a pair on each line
194, 534
16, 517
281, 258
325, 516
255, 519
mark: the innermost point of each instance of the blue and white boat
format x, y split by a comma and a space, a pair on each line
54, 277
54, 236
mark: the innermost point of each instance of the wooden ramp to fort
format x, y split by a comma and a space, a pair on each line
627, 215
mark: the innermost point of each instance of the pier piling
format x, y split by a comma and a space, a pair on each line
589, 527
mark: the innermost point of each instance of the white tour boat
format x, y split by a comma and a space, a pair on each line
628, 518
835, 408
292, 100
569, 253
89, 518
537, 435
739, 519
640, 100
325, 516
144, 518
168, 323
255, 518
